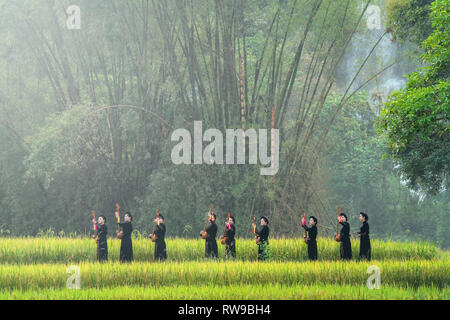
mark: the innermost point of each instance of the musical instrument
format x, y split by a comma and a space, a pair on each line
118, 232
337, 236
94, 225
254, 229
154, 236
204, 234
223, 238
305, 236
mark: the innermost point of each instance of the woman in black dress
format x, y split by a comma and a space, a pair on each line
211, 250
346, 245
160, 243
102, 243
364, 247
312, 235
230, 243
126, 246
263, 239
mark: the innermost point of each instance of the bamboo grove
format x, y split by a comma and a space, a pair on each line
115, 89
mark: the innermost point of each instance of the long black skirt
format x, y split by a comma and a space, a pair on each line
364, 249
211, 250
102, 252
312, 250
126, 250
346, 249
160, 251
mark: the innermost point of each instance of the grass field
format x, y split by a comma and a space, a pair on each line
53, 250
37, 269
254, 292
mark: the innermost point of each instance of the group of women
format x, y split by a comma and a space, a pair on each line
209, 234
124, 233
343, 237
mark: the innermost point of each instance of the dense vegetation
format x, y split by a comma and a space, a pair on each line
416, 120
86, 118
409, 19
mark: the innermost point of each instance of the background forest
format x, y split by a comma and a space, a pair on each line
86, 115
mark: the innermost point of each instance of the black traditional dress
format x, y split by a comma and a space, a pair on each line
102, 244
263, 245
364, 247
126, 246
160, 243
211, 250
230, 243
346, 245
312, 242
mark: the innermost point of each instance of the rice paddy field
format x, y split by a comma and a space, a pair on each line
37, 268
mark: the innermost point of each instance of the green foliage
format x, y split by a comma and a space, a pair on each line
54, 149
416, 120
437, 46
409, 19
363, 181
183, 195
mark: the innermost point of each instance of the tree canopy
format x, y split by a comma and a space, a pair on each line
416, 120
409, 20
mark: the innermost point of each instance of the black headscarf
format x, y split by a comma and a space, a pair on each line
129, 214
366, 217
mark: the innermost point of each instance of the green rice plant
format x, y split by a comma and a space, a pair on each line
405, 274
65, 250
245, 292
